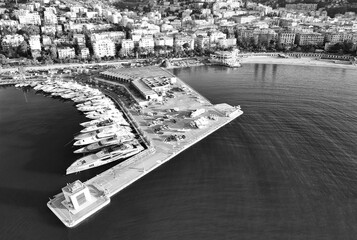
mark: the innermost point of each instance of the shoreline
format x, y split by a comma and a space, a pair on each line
304, 61
310, 62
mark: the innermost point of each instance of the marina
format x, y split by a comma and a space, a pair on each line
219, 179
166, 125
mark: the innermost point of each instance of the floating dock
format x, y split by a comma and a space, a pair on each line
182, 130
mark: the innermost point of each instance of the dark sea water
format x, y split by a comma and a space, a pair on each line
286, 169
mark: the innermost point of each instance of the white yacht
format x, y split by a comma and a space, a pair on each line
105, 143
95, 102
106, 155
106, 129
102, 113
100, 136
100, 125
96, 107
86, 98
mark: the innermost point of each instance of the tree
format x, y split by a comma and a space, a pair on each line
23, 49
3, 59
29, 30
186, 46
53, 51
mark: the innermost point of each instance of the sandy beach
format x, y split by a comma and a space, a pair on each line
296, 61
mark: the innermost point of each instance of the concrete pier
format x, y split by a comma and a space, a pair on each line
161, 145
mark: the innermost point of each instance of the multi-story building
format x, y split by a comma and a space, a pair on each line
127, 46
176, 24
166, 27
67, 52
202, 42
80, 39
180, 40
46, 40
164, 41
303, 39
49, 17
12, 41
245, 35
49, 29
78, 9
34, 42
12, 23
104, 48
215, 36
337, 37
301, 6
244, 19
227, 43
115, 36
286, 38
264, 36
84, 53
147, 42
136, 37
30, 18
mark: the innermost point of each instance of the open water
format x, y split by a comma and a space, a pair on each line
286, 169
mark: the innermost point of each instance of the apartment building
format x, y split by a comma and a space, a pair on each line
30, 18
286, 38
104, 48
147, 42
164, 41
34, 42
303, 39
66, 52
11, 41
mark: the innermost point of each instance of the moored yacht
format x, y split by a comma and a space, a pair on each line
106, 129
105, 143
106, 155
100, 136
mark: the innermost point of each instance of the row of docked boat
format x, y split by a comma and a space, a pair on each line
106, 137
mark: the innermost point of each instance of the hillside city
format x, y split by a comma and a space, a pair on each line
67, 31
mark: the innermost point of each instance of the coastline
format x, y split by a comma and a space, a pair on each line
304, 61
295, 61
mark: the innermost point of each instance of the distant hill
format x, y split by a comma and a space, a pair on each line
332, 6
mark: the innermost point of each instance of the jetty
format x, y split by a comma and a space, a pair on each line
169, 116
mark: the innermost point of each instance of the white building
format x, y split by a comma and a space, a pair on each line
116, 36
48, 29
164, 41
114, 18
136, 37
202, 42
84, 53
12, 40
66, 53
147, 42
34, 42
49, 17
77, 197
80, 39
227, 43
46, 40
30, 18
78, 9
166, 27
244, 19
216, 36
127, 46
104, 48
180, 40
